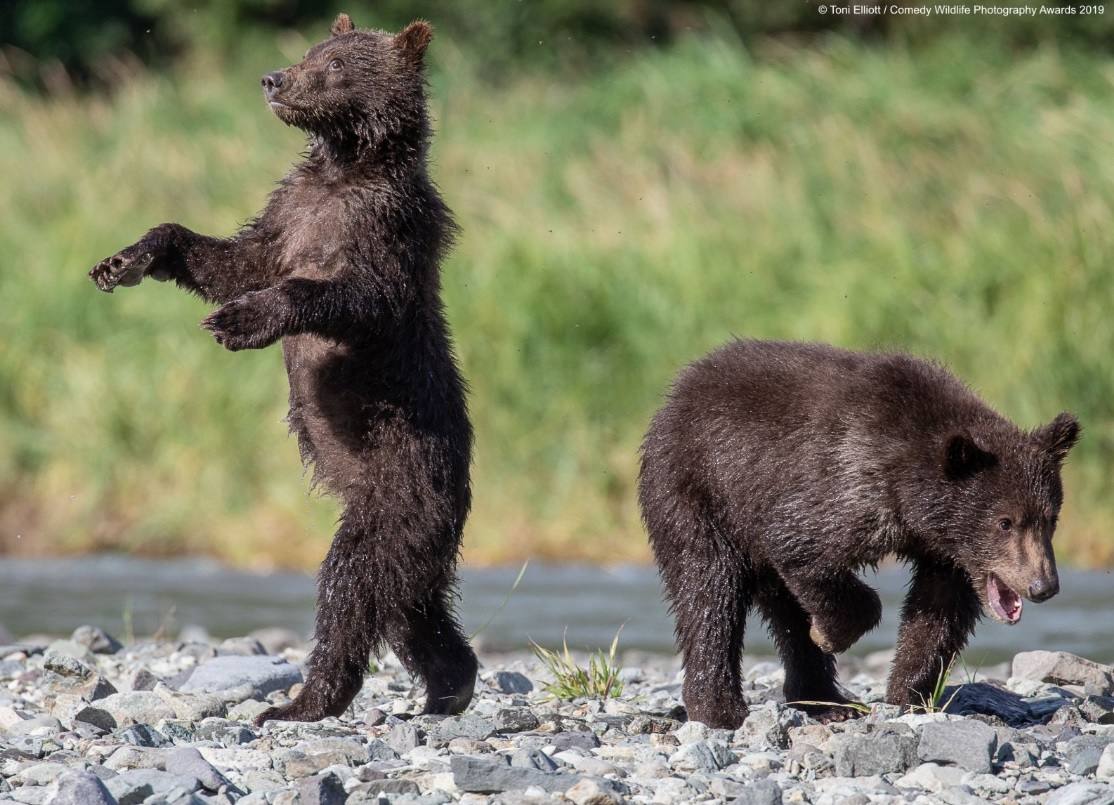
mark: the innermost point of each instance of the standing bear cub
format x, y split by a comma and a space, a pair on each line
775, 471
343, 267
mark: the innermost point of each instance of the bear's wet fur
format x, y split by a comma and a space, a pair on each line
776, 470
343, 266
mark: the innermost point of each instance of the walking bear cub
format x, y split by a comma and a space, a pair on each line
343, 267
775, 471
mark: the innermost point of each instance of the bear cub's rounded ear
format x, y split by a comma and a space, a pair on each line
1058, 436
414, 39
342, 25
963, 457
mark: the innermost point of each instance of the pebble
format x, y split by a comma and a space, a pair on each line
163, 723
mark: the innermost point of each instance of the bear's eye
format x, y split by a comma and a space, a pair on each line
336, 64
1005, 524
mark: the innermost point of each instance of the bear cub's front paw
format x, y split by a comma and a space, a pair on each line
830, 639
253, 321
126, 268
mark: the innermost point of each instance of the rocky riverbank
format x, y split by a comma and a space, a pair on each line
86, 720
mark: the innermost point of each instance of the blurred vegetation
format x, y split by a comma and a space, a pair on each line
85, 39
951, 197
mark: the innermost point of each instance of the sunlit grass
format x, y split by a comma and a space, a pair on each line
954, 201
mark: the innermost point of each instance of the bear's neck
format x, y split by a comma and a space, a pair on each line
392, 146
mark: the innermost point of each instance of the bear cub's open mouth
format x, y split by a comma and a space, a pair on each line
1005, 603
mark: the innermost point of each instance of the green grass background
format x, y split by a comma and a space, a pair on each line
953, 199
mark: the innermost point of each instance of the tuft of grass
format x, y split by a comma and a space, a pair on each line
934, 702
952, 200
600, 680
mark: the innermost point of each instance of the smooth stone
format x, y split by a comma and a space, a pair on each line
135, 707
759, 792
135, 786
263, 674
574, 740
1063, 668
967, 743
1082, 794
510, 682
491, 775
1082, 754
188, 762
79, 788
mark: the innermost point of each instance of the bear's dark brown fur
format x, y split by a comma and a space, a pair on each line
343, 266
776, 470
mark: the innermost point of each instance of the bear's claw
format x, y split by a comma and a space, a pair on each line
125, 268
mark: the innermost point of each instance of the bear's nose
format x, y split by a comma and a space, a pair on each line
272, 82
1043, 589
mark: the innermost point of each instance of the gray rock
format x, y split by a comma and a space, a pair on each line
510, 682
465, 726
263, 674
65, 665
1082, 754
135, 786
490, 775
1098, 709
1082, 794
37, 727
95, 688
144, 680
322, 789
768, 727
597, 791
515, 719
97, 717
380, 750
532, 759
574, 740
188, 762
141, 735
96, 639
968, 743
392, 787
1105, 770
404, 737
136, 707
80, 788
759, 792
884, 751
708, 756
1062, 668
